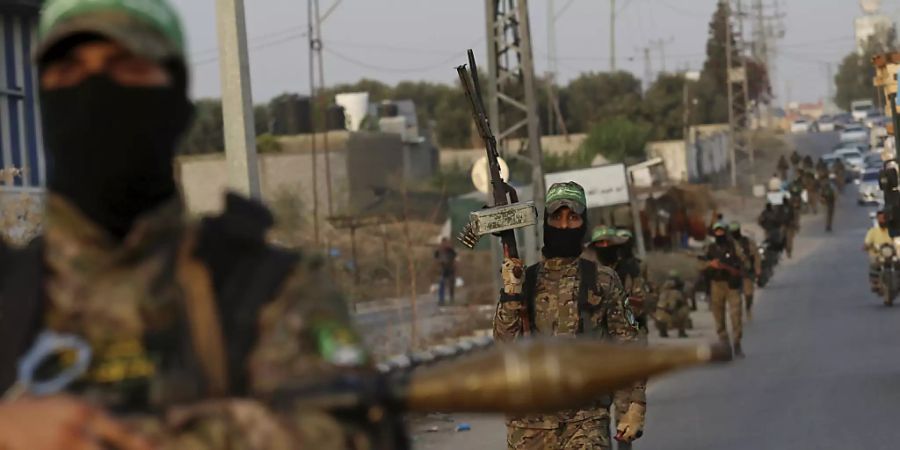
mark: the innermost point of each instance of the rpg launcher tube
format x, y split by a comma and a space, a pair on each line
544, 375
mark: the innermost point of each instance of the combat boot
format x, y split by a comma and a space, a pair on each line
738, 352
663, 330
682, 333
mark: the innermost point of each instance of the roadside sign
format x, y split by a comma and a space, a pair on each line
603, 186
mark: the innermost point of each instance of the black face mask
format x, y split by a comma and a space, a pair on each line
563, 242
607, 255
721, 240
111, 147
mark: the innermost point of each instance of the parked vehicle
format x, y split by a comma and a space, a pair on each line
843, 120
873, 160
869, 190
855, 133
860, 109
825, 123
873, 119
801, 126
853, 159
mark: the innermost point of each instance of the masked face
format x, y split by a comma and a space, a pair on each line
563, 242
720, 236
607, 255
111, 142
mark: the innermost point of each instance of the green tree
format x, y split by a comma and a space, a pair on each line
207, 133
664, 107
618, 139
594, 97
854, 77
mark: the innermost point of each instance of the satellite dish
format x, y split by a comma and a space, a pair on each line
870, 6
481, 178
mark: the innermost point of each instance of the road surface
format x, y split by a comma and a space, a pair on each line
821, 372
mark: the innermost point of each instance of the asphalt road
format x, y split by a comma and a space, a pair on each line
821, 370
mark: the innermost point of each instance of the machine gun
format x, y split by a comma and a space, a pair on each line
507, 214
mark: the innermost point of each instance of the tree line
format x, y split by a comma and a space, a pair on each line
615, 111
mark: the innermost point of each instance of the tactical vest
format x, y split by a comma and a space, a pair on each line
245, 274
586, 276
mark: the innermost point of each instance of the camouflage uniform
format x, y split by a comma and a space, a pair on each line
672, 310
725, 288
556, 313
752, 265
166, 311
828, 198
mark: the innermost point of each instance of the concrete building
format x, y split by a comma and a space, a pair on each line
21, 144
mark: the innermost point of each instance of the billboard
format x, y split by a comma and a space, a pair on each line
603, 186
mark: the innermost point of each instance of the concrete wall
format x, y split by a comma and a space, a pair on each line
708, 154
204, 180
550, 145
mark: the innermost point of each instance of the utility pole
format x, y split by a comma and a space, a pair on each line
612, 35
323, 103
237, 100
551, 63
314, 167
732, 128
660, 46
648, 69
738, 91
511, 91
555, 120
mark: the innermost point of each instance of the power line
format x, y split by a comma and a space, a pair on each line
366, 65
259, 46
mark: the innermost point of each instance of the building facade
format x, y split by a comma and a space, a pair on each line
21, 144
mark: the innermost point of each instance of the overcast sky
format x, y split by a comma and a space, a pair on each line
394, 40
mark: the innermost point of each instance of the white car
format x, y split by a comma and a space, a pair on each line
801, 126
855, 133
869, 190
853, 159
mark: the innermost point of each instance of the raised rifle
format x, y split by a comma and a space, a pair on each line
507, 214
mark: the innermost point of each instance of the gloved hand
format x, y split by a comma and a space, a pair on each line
631, 424
513, 274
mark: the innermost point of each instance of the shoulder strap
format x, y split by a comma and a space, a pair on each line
246, 274
587, 274
21, 304
529, 289
203, 318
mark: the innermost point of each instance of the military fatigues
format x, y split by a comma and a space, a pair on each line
672, 309
725, 290
828, 197
173, 339
556, 313
752, 265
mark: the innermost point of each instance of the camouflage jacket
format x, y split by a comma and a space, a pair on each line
633, 273
184, 361
556, 314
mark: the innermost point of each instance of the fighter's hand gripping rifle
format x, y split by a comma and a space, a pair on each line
507, 214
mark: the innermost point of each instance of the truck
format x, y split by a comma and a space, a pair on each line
860, 109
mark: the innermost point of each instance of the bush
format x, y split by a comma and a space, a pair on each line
617, 139
266, 143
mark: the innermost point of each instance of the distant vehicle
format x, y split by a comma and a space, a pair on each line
874, 118
829, 159
873, 161
801, 126
869, 190
854, 133
860, 109
853, 159
842, 120
826, 123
